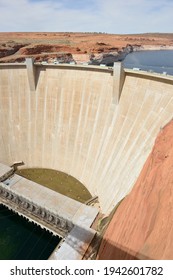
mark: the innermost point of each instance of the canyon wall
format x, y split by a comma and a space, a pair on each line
142, 225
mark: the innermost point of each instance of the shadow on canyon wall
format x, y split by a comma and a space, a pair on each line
109, 251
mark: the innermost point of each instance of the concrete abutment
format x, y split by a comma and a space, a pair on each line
50, 210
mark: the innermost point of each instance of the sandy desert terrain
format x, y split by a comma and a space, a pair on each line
77, 47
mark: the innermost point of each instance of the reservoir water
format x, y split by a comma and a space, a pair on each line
23, 240
154, 61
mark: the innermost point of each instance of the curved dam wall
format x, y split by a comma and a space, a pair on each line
71, 123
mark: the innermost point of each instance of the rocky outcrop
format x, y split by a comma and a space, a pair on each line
45, 48
109, 58
10, 48
100, 55
61, 58
142, 226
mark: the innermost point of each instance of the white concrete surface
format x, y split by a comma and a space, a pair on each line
58, 204
75, 245
4, 169
71, 124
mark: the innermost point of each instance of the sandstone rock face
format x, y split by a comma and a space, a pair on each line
142, 226
9, 48
108, 58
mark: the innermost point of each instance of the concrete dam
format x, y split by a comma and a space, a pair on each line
97, 124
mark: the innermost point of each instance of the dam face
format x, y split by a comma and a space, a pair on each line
70, 122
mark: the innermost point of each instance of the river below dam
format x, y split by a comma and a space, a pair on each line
160, 61
23, 240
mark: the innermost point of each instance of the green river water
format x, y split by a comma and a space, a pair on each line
23, 240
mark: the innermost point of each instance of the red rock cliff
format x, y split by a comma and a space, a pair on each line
142, 226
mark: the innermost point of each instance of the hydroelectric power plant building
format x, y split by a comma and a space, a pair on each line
97, 124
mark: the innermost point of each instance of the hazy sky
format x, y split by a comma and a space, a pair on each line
111, 16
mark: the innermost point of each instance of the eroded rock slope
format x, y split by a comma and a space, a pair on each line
142, 226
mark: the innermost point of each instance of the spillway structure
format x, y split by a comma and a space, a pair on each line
96, 123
